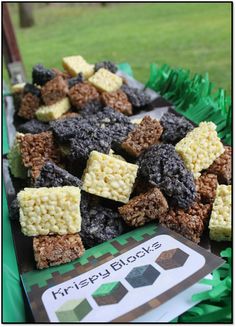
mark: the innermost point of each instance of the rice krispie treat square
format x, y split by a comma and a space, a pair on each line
77, 64
36, 149
14, 157
206, 186
117, 100
147, 133
54, 90
189, 223
100, 223
50, 210
222, 166
144, 207
106, 81
82, 93
53, 176
54, 250
161, 166
174, 127
220, 222
54, 111
33, 126
200, 147
109, 177
29, 105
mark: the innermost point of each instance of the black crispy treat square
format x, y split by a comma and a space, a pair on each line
115, 124
53, 176
65, 129
99, 223
41, 75
160, 165
138, 98
33, 126
89, 138
174, 128
30, 88
109, 65
93, 132
75, 80
91, 108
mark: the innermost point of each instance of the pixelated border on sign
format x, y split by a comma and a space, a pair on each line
105, 252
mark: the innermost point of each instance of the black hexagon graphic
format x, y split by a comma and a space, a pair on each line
142, 276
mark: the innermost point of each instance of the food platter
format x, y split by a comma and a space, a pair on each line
157, 107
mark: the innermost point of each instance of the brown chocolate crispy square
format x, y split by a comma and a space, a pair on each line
53, 250
222, 167
117, 100
36, 149
82, 93
144, 207
29, 105
147, 133
190, 223
206, 186
54, 90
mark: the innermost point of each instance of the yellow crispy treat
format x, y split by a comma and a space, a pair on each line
109, 177
76, 64
56, 110
106, 81
50, 210
15, 160
17, 87
220, 221
200, 147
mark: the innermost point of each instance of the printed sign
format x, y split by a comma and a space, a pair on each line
149, 268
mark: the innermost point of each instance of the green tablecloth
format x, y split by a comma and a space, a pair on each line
13, 306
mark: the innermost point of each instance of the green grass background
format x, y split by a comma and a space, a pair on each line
193, 36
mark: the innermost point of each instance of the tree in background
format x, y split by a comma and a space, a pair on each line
26, 14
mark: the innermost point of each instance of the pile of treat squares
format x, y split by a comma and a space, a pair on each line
92, 173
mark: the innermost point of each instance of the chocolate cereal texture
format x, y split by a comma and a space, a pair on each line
54, 90
54, 250
36, 149
144, 207
82, 93
206, 186
117, 100
147, 133
222, 166
189, 223
29, 105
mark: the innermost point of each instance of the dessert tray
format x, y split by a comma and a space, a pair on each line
110, 190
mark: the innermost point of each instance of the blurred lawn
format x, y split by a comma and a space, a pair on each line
194, 36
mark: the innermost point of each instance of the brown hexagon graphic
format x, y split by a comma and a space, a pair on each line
172, 259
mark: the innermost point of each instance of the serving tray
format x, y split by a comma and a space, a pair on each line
23, 244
